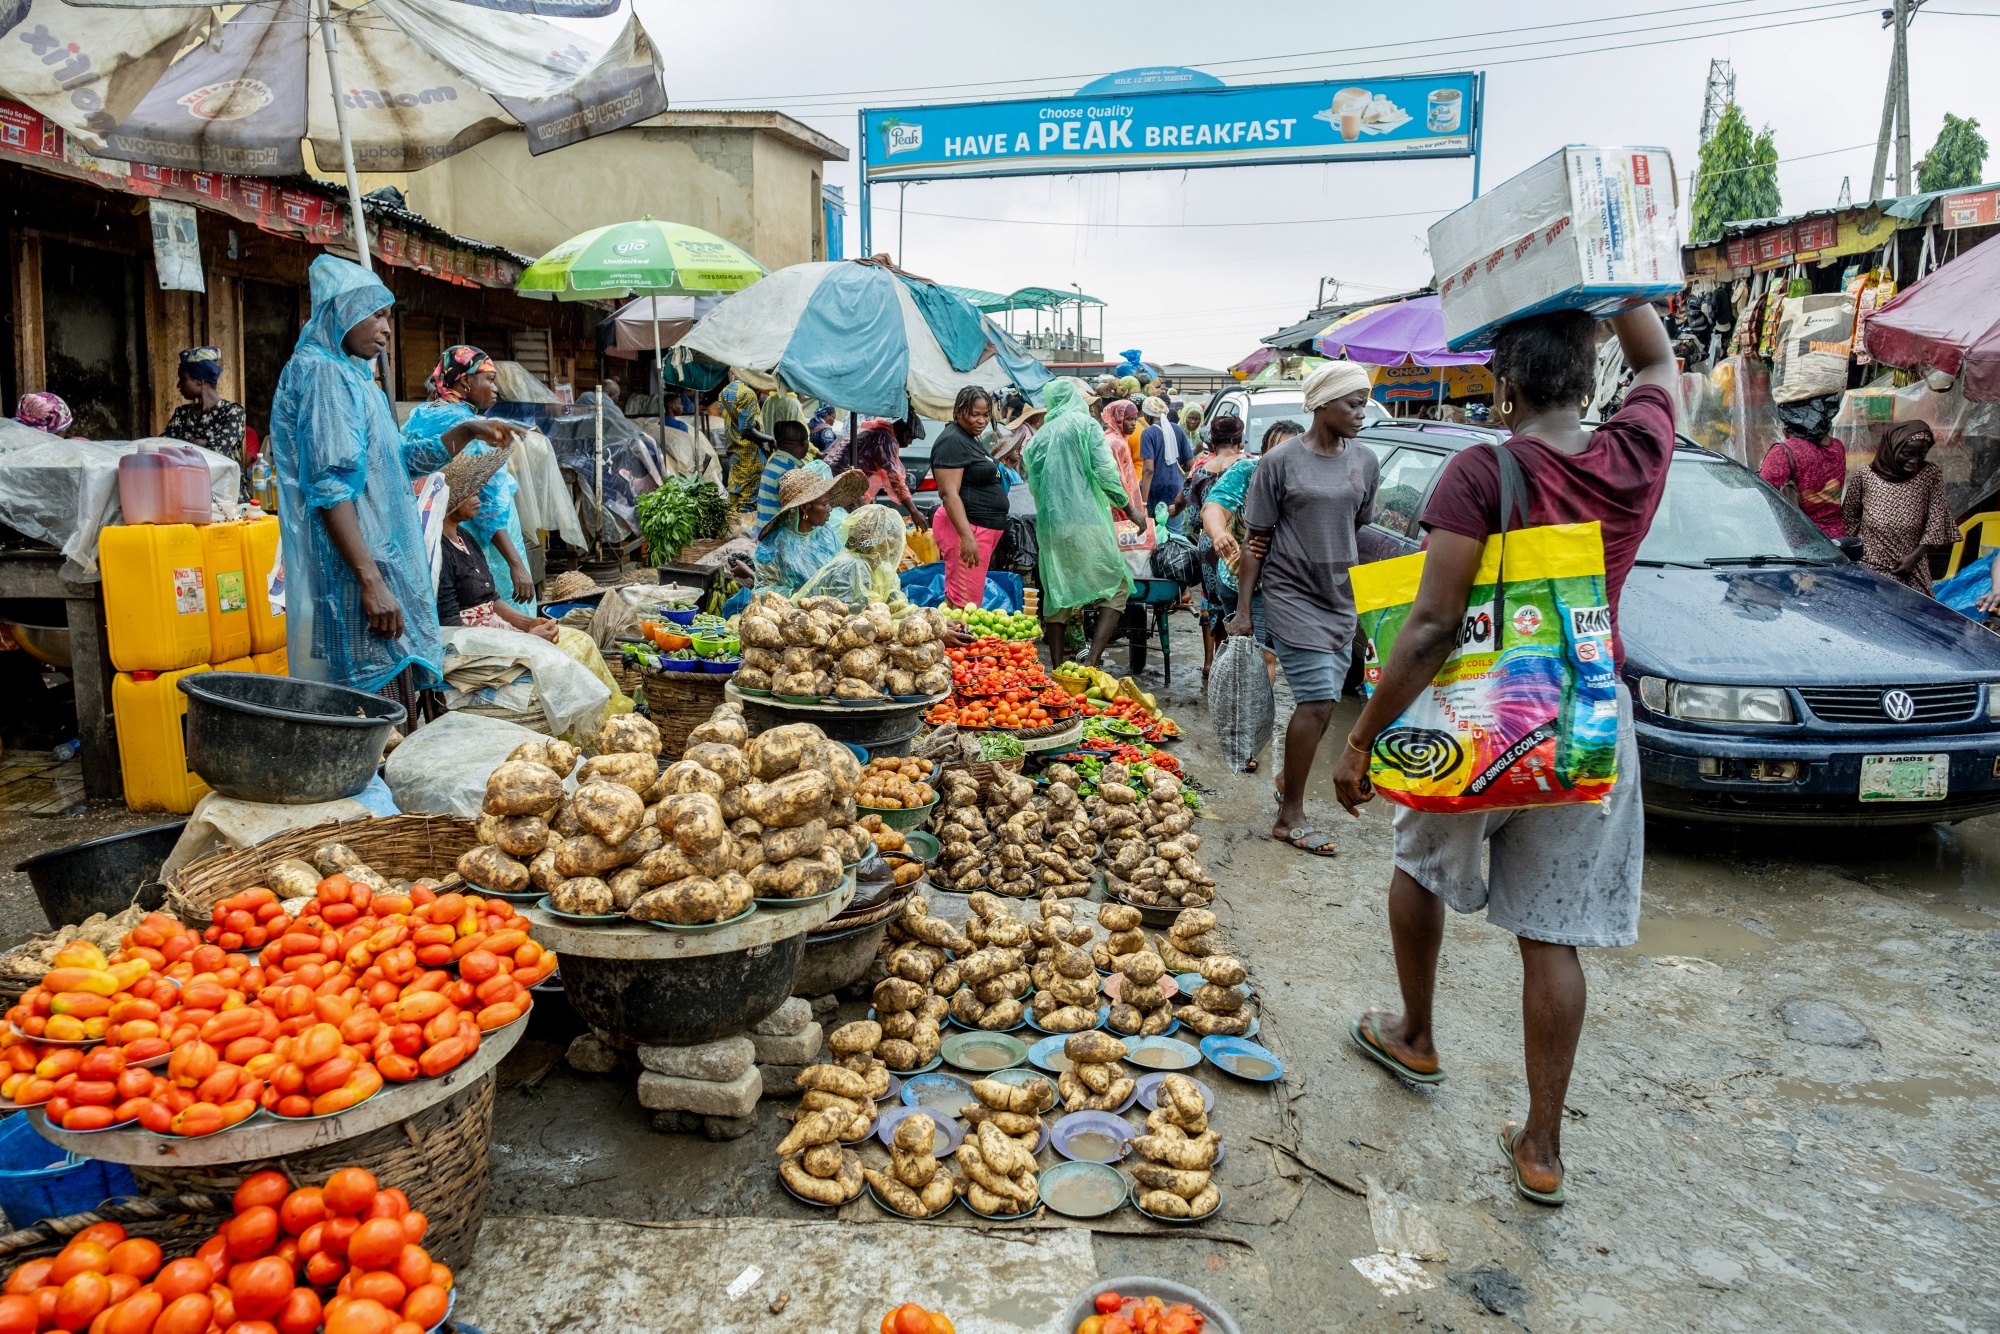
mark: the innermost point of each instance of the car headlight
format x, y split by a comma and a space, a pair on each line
1728, 704
1993, 701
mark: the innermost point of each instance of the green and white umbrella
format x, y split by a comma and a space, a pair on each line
644, 258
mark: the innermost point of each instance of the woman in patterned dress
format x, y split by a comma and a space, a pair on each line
207, 418
1897, 507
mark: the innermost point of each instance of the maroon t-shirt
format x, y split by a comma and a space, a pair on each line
1616, 481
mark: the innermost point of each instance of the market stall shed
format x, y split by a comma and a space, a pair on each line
1949, 321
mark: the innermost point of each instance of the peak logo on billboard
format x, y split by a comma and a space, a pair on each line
902, 137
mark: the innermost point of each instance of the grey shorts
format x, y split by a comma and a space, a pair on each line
1568, 875
1313, 674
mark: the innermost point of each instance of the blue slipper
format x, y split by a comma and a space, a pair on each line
1554, 1199
1363, 1032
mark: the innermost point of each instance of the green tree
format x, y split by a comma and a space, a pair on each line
1956, 160
1738, 176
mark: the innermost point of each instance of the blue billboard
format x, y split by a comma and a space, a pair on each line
1432, 115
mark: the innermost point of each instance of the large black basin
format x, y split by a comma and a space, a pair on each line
283, 740
683, 1001
882, 730
838, 958
103, 875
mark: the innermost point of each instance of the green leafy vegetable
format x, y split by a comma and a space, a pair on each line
679, 511
996, 746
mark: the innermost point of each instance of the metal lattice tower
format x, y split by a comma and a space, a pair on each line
1721, 92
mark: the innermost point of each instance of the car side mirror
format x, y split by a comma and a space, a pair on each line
1850, 547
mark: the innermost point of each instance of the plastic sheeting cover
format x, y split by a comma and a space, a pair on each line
443, 767
567, 690
63, 491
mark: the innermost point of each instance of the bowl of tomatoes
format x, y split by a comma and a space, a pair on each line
1142, 1305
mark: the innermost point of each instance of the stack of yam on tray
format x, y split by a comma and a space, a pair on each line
818, 649
1177, 1154
995, 975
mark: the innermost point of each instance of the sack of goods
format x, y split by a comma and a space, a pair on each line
1584, 229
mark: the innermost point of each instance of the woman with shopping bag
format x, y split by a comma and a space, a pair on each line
1562, 875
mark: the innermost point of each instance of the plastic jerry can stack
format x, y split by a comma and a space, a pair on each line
152, 740
274, 663
260, 553
226, 589
155, 599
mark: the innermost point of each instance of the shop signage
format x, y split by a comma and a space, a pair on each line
1975, 208
1176, 126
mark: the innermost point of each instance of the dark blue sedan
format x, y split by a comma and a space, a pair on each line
1774, 680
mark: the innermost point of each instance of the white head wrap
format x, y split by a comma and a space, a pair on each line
1336, 379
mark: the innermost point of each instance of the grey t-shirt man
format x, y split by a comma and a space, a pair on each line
1313, 503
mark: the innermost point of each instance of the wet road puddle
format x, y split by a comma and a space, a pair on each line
1906, 1097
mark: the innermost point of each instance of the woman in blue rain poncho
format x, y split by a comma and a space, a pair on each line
1076, 485
463, 386
360, 608
802, 536
872, 540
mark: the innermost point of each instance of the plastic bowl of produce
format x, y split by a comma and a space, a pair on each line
681, 617
904, 818
681, 664
1218, 1320
718, 666
710, 646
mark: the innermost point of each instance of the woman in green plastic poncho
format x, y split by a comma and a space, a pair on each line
865, 570
1076, 486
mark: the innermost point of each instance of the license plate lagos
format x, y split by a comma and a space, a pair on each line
1905, 777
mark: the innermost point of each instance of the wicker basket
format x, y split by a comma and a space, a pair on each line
437, 1158
679, 702
396, 846
179, 1223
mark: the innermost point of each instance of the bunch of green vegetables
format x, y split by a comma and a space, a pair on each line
999, 746
679, 511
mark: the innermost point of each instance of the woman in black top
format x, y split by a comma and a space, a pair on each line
974, 499
465, 591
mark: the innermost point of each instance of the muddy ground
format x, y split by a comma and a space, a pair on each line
1783, 1117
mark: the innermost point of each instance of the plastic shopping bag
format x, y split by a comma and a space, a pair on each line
1239, 698
1525, 711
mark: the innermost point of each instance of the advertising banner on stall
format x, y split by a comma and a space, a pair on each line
1431, 115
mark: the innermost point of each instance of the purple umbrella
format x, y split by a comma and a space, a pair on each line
1411, 331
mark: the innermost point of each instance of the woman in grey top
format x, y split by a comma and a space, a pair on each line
1307, 500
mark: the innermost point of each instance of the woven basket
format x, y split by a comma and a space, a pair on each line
437, 1158
679, 702
396, 846
179, 1223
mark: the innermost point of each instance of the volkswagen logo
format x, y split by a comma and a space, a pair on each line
1898, 705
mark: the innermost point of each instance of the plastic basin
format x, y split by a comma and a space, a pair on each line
38, 1180
1140, 1285
283, 740
103, 875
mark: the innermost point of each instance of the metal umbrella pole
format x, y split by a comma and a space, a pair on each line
597, 538
332, 43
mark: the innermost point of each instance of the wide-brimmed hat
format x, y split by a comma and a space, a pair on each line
1027, 412
801, 487
467, 472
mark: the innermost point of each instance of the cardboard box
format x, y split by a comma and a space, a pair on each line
1588, 228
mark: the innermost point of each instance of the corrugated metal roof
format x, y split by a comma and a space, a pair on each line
1907, 207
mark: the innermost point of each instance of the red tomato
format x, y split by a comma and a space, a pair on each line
301, 1313
266, 1188
391, 1203
80, 1256
379, 1286
18, 1315
426, 1305
261, 1288
80, 1299
351, 1190
137, 1257
186, 1315
360, 1316
135, 1315
251, 1233
181, 1277
28, 1277
301, 1209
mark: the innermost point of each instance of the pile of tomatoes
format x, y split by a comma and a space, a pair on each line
1141, 1315
1000, 683
264, 1272
353, 994
910, 1318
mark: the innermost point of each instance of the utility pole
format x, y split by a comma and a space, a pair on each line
1322, 291
1896, 102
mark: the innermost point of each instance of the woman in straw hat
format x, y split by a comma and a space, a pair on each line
802, 535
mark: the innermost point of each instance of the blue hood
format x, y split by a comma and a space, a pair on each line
1796, 625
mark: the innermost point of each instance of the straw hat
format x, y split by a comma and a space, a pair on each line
467, 472
571, 585
1028, 413
799, 488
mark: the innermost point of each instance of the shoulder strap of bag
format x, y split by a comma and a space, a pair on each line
1514, 493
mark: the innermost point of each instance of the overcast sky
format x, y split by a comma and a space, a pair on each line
1198, 292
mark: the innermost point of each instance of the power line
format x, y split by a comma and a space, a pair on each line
1247, 60
820, 101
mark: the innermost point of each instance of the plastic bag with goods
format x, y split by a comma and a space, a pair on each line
1239, 697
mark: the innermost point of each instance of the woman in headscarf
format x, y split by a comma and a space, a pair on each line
865, 570
743, 444
1119, 433
207, 418
877, 455
463, 385
360, 610
802, 536
45, 412
823, 430
1897, 507
1077, 485
1227, 448
1810, 461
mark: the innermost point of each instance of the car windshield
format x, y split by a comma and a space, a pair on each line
1264, 413
1716, 513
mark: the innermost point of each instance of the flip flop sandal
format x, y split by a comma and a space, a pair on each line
1554, 1199
1308, 839
1363, 1032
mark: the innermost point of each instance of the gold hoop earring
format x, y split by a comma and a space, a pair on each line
1507, 408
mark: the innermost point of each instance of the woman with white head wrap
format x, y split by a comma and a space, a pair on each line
1307, 500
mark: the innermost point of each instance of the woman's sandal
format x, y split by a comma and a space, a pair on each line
1366, 1037
1510, 1135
